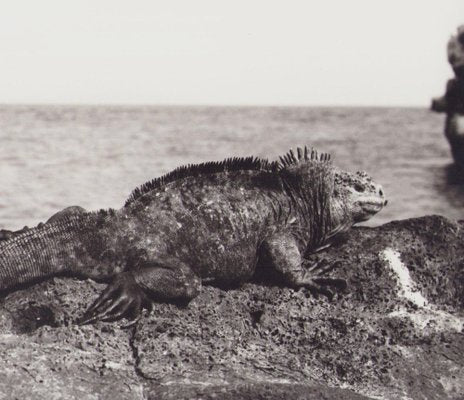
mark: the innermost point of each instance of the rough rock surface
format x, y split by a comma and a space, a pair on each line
395, 332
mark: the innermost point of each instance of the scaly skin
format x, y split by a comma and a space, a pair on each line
209, 224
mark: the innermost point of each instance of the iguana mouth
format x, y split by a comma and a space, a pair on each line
373, 206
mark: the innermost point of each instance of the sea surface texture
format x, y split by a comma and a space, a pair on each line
52, 157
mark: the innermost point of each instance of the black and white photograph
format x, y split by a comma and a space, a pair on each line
207, 200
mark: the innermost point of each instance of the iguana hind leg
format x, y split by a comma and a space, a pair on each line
131, 291
282, 253
66, 212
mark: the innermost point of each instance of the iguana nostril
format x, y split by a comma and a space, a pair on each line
381, 192
385, 202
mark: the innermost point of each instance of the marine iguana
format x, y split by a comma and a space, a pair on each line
205, 223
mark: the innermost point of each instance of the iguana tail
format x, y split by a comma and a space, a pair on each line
47, 250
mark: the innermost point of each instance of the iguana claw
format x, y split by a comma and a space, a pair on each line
319, 285
321, 267
121, 298
315, 280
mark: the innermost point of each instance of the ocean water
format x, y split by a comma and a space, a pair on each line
52, 157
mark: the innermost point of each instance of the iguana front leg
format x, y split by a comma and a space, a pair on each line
282, 253
131, 291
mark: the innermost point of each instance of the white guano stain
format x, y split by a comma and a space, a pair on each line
426, 314
407, 287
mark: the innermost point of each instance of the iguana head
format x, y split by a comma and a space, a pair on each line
356, 197
332, 200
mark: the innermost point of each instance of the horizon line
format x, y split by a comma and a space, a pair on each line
206, 105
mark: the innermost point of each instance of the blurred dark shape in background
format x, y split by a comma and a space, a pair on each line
452, 102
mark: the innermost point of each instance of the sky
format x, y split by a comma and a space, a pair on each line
217, 52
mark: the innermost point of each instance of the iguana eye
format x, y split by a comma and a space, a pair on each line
359, 188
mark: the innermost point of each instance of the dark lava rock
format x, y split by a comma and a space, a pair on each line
395, 332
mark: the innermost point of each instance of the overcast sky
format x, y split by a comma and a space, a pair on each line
308, 52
